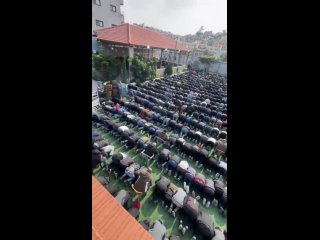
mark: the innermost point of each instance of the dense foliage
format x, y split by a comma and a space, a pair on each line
143, 69
223, 57
106, 68
206, 59
168, 70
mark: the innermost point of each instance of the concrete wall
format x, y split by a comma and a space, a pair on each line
160, 72
175, 70
104, 13
179, 69
220, 68
175, 57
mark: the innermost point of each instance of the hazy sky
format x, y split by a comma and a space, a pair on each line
178, 16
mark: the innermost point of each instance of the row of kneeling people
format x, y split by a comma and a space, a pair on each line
160, 114
219, 143
200, 155
175, 198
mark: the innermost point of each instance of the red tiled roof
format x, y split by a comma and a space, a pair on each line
127, 34
110, 221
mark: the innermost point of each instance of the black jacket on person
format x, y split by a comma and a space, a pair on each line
151, 150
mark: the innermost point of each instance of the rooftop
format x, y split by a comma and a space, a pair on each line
110, 220
132, 35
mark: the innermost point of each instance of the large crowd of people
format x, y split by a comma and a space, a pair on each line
182, 126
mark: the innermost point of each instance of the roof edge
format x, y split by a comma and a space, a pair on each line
129, 40
140, 46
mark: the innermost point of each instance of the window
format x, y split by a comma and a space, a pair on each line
99, 23
114, 25
113, 8
97, 2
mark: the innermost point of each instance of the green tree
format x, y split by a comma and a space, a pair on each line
106, 68
168, 70
143, 69
207, 60
223, 57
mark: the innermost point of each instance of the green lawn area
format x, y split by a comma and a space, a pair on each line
150, 210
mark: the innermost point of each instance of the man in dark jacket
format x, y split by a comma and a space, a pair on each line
144, 181
96, 158
151, 150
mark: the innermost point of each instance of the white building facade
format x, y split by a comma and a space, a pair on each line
106, 13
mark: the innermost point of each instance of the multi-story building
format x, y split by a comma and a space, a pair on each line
106, 13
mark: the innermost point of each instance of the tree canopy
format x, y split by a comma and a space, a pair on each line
223, 57
168, 70
143, 69
107, 67
207, 59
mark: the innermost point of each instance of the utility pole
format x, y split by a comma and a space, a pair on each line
187, 57
175, 52
148, 47
131, 55
161, 57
